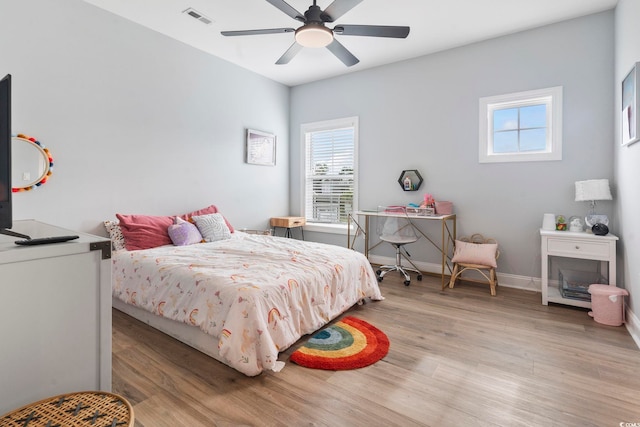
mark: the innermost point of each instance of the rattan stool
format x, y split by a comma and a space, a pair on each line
83, 409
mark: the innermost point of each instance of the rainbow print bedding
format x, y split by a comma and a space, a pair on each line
256, 295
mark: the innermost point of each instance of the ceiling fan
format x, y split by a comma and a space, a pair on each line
314, 33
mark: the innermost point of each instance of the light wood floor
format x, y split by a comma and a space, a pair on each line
457, 358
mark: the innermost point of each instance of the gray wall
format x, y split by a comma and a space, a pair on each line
140, 123
627, 159
423, 114
136, 122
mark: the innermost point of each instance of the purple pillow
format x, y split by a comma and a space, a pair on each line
184, 233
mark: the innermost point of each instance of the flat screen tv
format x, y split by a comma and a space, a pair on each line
6, 218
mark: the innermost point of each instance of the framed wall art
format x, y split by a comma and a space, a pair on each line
630, 120
261, 148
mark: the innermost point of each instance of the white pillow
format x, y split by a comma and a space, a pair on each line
213, 227
475, 253
115, 234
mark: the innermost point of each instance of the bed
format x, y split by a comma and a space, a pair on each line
244, 299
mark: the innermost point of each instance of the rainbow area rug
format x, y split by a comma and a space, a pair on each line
350, 343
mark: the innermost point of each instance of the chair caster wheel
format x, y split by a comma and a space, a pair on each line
407, 282
420, 277
378, 272
379, 278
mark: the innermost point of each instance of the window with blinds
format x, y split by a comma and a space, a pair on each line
330, 164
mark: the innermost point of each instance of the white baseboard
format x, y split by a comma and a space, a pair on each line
506, 280
633, 326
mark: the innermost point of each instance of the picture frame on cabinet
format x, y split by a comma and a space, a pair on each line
630, 119
261, 148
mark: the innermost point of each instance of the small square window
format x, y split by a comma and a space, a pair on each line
523, 126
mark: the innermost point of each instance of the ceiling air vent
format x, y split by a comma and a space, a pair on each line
197, 15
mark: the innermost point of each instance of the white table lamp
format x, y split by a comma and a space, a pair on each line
591, 191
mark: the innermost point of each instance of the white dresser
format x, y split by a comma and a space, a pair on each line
55, 315
583, 245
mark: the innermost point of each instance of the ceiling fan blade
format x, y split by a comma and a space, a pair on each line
256, 32
338, 8
342, 53
288, 9
372, 31
289, 54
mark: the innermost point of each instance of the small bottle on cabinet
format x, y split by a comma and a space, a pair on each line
407, 183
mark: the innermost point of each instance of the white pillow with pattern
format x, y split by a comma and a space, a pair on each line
115, 234
212, 227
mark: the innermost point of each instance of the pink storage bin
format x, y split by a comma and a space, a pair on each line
607, 304
444, 208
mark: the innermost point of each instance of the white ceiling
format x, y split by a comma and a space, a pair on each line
435, 25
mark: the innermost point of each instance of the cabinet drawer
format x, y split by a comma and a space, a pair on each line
288, 221
578, 248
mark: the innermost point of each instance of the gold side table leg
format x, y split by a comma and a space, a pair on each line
444, 251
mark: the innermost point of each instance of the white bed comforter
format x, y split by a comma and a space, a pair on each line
256, 295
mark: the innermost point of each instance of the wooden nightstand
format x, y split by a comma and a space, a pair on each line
288, 222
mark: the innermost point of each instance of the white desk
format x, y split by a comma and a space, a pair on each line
575, 245
445, 245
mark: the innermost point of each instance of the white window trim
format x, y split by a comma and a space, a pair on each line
552, 97
320, 126
328, 228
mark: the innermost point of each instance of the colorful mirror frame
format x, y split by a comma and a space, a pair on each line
48, 161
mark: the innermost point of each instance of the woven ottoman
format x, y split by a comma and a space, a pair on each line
87, 408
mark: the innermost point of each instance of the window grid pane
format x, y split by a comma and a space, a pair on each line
520, 129
505, 119
505, 142
533, 116
533, 139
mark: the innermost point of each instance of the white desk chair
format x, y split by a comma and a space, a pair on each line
398, 231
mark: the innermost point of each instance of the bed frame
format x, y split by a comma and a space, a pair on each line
187, 334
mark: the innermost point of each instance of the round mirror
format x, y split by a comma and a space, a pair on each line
31, 163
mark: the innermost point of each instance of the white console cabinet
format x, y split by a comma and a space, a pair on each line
585, 246
55, 315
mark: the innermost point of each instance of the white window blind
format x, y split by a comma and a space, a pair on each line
329, 173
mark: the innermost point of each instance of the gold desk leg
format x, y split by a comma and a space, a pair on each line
365, 231
448, 241
366, 236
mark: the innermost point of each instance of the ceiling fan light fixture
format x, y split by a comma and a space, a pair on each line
314, 35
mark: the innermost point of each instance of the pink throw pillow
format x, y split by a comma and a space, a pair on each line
475, 253
146, 231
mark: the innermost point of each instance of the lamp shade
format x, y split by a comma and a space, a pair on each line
593, 189
314, 35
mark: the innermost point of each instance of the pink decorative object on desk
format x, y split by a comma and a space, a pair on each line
444, 208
